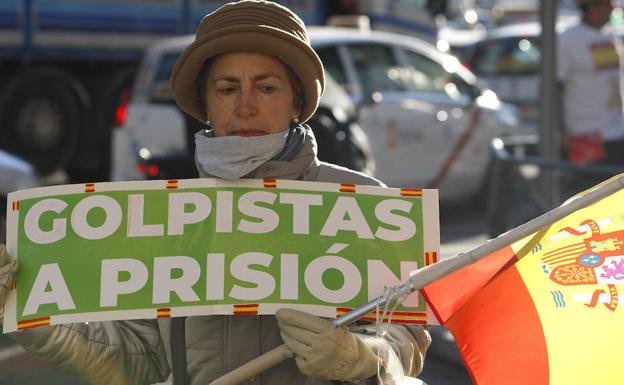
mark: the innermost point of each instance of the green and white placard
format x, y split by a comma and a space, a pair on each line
148, 249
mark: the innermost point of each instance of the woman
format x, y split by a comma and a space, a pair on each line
253, 77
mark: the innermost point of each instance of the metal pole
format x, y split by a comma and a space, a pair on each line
550, 135
429, 274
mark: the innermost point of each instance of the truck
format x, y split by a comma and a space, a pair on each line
67, 67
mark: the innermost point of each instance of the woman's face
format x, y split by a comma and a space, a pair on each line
249, 94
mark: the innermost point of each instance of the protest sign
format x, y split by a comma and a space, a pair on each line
151, 249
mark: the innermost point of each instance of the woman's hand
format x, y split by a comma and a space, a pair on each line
8, 268
323, 350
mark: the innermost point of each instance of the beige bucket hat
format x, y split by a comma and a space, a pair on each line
256, 26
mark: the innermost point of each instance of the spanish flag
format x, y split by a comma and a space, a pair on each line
546, 310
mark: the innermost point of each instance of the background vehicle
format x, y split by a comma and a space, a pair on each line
508, 60
427, 121
67, 65
432, 122
157, 140
15, 174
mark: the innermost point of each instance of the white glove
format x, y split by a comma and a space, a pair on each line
323, 350
8, 267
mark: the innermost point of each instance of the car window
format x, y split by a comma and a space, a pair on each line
513, 56
376, 68
427, 74
331, 61
161, 90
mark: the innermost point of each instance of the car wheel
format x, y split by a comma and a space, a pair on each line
41, 114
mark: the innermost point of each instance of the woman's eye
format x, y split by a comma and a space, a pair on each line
226, 90
268, 88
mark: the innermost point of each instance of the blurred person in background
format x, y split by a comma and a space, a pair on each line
253, 77
588, 71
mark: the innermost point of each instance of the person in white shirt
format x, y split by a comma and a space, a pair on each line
588, 70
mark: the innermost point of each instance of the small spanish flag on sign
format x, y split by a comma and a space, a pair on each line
270, 183
411, 192
246, 309
163, 312
348, 188
397, 317
431, 257
172, 183
33, 323
15, 205
90, 187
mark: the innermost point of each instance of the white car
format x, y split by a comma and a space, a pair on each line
432, 123
427, 121
508, 59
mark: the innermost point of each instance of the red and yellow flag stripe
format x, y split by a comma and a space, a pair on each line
90, 187
270, 183
33, 323
399, 317
347, 187
245, 309
15, 205
163, 312
411, 192
172, 183
431, 257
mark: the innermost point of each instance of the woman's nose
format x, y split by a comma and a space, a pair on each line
246, 103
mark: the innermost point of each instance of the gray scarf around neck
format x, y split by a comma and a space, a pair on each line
229, 159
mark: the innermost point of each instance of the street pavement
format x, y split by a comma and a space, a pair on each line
462, 229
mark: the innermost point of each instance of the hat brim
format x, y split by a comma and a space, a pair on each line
293, 52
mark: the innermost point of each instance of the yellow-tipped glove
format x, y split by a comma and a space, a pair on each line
8, 267
323, 350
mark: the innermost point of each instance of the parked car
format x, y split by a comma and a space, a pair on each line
15, 174
508, 60
432, 122
157, 139
427, 120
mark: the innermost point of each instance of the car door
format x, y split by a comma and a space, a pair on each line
395, 123
450, 141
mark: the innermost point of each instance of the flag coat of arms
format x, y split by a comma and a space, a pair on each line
545, 310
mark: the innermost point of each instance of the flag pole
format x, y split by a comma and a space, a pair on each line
431, 273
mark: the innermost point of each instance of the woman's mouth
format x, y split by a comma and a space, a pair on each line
247, 132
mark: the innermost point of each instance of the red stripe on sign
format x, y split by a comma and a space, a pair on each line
350, 188
33, 323
245, 305
411, 192
245, 313
270, 183
431, 257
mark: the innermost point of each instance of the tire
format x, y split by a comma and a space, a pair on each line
41, 113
